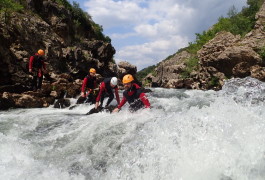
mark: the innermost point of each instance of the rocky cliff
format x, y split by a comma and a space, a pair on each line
225, 56
72, 45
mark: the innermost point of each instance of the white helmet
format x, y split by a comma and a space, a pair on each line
114, 81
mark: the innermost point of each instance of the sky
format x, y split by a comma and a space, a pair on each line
145, 32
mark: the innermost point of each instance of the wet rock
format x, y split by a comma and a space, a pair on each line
62, 103
6, 103
258, 72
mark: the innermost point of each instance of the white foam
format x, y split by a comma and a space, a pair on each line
186, 135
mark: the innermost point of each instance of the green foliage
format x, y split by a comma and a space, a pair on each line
191, 64
261, 52
214, 82
236, 23
99, 32
7, 7
83, 21
147, 82
65, 3
144, 72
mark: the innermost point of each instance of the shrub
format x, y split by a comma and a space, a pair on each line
83, 21
144, 72
7, 7
214, 82
236, 23
261, 52
191, 64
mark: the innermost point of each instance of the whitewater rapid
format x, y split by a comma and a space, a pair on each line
186, 135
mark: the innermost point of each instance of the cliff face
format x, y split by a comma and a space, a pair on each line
72, 42
70, 47
225, 56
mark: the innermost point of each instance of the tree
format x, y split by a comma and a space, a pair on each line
8, 6
232, 12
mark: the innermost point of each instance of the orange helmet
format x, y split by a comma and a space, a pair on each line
92, 70
41, 52
127, 79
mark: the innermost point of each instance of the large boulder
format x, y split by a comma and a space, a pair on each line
226, 56
168, 71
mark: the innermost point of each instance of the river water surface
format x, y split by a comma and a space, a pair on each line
186, 135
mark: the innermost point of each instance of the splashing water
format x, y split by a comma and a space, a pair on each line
187, 135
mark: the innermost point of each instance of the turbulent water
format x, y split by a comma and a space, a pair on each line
187, 135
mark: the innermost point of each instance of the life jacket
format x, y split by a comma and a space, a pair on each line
135, 96
134, 100
37, 62
90, 82
108, 88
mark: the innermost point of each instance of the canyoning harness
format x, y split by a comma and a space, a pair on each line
134, 99
36, 64
91, 82
135, 94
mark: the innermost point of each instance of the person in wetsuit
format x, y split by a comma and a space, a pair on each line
106, 89
37, 68
133, 94
88, 87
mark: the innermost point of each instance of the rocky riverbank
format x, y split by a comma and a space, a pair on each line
224, 57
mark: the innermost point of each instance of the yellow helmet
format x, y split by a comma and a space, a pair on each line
127, 78
41, 52
92, 70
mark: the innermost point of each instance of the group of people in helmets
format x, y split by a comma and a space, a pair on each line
133, 93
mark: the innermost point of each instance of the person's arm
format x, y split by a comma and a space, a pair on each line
83, 87
144, 100
31, 59
101, 89
123, 101
117, 95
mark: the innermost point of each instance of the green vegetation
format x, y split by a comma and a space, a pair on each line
83, 23
7, 7
83, 19
144, 72
191, 64
214, 82
261, 52
236, 23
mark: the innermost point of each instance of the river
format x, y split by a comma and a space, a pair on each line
186, 135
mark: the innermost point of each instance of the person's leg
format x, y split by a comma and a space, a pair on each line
34, 83
39, 82
111, 97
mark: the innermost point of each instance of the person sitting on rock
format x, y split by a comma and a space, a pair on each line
37, 68
106, 89
133, 94
88, 86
